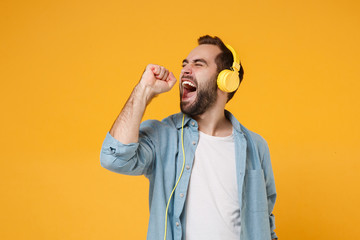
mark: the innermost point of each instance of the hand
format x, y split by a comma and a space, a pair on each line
158, 79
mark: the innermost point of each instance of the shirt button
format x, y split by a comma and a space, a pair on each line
193, 123
193, 143
187, 167
181, 195
177, 224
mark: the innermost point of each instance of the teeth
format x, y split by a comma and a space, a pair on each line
188, 83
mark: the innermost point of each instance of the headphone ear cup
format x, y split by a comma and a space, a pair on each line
228, 80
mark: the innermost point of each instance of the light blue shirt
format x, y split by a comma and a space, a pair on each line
158, 155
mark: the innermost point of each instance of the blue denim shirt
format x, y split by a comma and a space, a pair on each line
158, 155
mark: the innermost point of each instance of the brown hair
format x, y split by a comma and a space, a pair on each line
223, 60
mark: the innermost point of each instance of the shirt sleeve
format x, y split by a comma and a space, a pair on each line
130, 159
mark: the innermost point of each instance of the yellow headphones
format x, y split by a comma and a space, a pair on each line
228, 80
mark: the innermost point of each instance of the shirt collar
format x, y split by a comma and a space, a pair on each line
178, 120
234, 121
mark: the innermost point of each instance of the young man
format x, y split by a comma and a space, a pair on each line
222, 171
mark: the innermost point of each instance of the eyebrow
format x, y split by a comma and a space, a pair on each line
195, 61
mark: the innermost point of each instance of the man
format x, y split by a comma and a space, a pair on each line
222, 171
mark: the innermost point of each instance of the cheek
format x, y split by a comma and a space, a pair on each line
205, 77
202, 77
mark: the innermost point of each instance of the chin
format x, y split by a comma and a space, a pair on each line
192, 109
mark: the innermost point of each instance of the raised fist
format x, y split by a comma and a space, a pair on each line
158, 79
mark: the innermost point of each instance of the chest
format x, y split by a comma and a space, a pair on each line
215, 165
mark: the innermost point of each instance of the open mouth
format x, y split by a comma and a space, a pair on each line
189, 89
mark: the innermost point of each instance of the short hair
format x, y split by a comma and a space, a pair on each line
223, 60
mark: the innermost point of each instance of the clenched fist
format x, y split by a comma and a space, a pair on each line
158, 79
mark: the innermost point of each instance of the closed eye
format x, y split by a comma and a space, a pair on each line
197, 62
200, 62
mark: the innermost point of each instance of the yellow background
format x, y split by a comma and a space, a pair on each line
67, 68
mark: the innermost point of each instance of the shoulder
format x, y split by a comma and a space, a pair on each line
173, 120
261, 147
257, 138
259, 142
168, 122
156, 127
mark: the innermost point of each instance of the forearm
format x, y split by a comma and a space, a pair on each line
126, 127
155, 80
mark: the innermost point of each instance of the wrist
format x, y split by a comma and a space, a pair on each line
144, 92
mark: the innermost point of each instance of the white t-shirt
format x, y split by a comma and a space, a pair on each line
212, 206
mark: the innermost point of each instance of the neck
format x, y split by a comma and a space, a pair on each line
213, 122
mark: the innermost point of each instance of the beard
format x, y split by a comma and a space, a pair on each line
205, 98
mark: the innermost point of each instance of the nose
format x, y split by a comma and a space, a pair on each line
186, 69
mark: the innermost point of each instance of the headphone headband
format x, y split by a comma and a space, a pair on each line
236, 63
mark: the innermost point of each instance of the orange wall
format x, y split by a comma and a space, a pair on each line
67, 67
